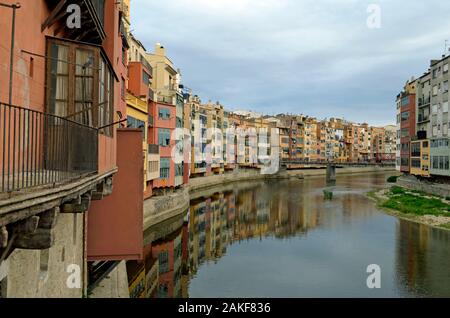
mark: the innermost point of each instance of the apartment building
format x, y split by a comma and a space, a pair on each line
439, 140
200, 163
73, 80
140, 98
407, 100
167, 112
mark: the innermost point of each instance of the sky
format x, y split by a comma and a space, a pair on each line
312, 57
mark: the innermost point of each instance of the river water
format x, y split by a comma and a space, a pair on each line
283, 239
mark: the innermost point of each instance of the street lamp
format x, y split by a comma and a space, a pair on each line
14, 7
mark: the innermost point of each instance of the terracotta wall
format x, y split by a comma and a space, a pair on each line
115, 224
28, 89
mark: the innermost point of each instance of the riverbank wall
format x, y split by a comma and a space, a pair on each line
412, 183
160, 208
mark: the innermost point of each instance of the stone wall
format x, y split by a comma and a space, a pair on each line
34, 273
115, 285
411, 182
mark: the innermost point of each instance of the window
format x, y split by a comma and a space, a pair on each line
415, 149
83, 68
164, 137
405, 116
105, 97
425, 144
434, 108
446, 163
435, 90
435, 160
164, 168
405, 101
163, 113
445, 68
179, 170
145, 78
434, 130
441, 162
415, 163
444, 129
405, 132
123, 89
445, 86
404, 162
136, 123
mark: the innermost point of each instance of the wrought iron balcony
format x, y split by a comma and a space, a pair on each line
39, 149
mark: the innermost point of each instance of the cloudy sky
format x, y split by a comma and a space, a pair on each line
316, 57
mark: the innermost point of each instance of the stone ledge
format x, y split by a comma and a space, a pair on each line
23, 206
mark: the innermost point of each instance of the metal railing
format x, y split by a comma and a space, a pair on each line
38, 149
424, 101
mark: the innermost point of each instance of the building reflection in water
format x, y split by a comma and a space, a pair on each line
208, 228
422, 260
176, 249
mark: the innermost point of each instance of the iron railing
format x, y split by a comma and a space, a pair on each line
38, 149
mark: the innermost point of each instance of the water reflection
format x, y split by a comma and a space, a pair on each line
282, 239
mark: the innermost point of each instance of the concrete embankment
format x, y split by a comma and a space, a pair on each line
160, 208
412, 183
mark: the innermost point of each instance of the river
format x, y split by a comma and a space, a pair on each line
283, 239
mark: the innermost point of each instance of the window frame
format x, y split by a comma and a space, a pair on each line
94, 110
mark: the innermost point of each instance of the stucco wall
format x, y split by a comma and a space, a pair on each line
27, 278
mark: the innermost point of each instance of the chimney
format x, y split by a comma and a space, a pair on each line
160, 50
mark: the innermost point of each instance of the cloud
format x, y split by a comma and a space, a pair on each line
316, 57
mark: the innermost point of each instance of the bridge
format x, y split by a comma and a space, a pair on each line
330, 165
299, 163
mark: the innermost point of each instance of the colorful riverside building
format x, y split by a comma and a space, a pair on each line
167, 111
407, 104
439, 137
67, 87
430, 150
198, 116
140, 103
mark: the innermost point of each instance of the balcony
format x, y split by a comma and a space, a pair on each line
166, 99
39, 149
421, 118
424, 101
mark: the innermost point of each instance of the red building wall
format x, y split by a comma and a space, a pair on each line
29, 78
409, 124
115, 224
164, 152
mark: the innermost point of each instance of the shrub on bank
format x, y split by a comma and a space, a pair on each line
409, 203
392, 179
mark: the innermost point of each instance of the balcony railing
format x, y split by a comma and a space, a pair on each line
421, 118
424, 101
39, 149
